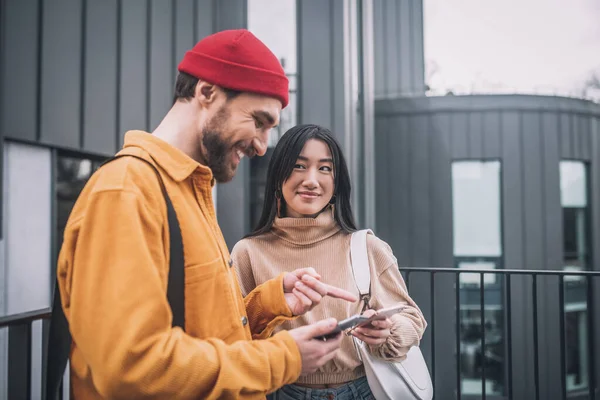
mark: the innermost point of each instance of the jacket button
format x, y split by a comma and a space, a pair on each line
244, 320
230, 263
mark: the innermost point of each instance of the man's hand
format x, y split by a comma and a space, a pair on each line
374, 333
316, 352
303, 290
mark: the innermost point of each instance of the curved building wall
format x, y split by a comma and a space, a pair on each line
418, 139
398, 48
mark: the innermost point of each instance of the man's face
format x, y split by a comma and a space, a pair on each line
239, 127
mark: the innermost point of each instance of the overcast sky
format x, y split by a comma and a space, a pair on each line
488, 46
539, 46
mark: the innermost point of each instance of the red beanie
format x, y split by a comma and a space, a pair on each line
237, 60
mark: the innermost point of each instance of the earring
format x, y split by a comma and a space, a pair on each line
278, 200
332, 203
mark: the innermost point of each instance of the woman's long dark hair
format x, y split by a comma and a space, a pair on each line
282, 164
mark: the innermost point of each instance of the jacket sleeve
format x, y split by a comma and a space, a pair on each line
265, 305
112, 274
387, 289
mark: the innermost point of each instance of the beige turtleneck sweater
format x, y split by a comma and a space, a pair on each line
319, 243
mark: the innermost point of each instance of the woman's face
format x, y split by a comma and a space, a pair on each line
310, 187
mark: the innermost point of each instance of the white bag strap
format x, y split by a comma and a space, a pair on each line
360, 263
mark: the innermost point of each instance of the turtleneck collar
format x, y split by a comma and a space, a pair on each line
305, 231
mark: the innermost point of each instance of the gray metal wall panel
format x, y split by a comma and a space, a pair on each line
587, 137
551, 191
441, 250
61, 73
134, 67
575, 137
230, 14
100, 77
595, 196
233, 208
399, 59
417, 50
552, 234
205, 22
399, 151
533, 232
420, 191
565, 136
315, 43
405, 45
492, 143
379, 13
514, 251
475, 131
339, 81
459, 135
184, 28
392, 57
383, 170
20, 70
531, 164
162, 71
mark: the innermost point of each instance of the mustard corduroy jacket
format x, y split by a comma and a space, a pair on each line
112, 272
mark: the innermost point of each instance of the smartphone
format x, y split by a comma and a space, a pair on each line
361, 320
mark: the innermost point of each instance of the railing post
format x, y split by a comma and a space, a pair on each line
19, 361
458, 363
563, 343
591, 339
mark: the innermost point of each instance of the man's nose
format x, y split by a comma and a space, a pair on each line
260, 143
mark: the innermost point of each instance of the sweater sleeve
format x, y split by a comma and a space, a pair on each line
265, 305
111, 274
387, 289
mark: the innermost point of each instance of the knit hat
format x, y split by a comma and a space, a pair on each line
237, 60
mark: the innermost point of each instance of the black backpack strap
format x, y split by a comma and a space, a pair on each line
59, 339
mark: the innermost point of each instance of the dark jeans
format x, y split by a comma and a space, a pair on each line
355, 390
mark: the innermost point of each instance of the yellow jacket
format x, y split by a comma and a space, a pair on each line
112, 273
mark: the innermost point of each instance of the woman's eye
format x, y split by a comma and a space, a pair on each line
326, 168
299, 166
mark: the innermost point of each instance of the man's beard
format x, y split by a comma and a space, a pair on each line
217, 149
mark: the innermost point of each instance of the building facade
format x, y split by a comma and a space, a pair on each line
465, 181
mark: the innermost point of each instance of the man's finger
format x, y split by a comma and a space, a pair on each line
303, 299
328, 290
320, 328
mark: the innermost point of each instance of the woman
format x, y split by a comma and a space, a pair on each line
307, 222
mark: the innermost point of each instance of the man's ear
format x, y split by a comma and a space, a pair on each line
205, 93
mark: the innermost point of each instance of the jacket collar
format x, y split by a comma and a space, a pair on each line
178, 165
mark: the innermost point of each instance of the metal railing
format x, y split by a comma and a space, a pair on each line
19, 351
508, 276
20, 327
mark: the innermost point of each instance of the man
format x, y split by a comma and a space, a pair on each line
114, 262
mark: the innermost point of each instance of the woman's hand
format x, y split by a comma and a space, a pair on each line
376, 332
303, 290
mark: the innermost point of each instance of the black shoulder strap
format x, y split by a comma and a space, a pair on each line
59, 340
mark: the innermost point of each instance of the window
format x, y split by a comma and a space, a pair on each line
25, 268
72, 173
27, 226
477, 245
576, 256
